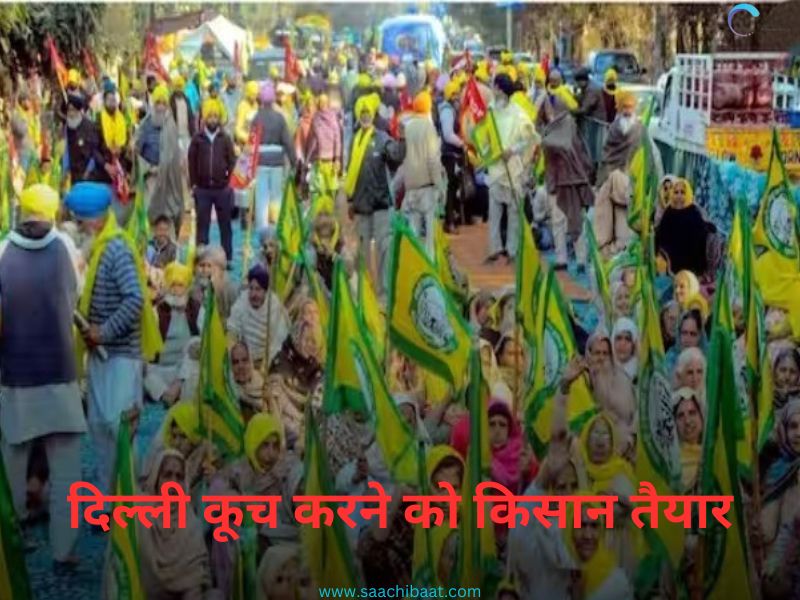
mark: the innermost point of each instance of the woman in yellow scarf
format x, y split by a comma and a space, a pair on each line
600, 575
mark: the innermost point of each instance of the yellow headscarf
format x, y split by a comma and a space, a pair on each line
175, 272
602, 563
251, 90
610, 77
698, 302
692, 285
186, 416
482, 72
178, 82
115, 129
689, 191
603, 475
506, 58
161, 94
509, 70
39, 200
259, 428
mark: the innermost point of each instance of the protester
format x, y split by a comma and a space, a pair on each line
211, 160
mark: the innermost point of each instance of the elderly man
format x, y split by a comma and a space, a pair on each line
157, 146
40, 398
624, 137
211, 160
83, 142
114, 304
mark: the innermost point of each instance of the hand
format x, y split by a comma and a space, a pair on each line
362, 470
572, 371
351, 212
92, 336
110, 169
172, 393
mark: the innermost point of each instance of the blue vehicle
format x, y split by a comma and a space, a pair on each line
413, 37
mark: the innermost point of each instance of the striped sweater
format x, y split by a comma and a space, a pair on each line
117, 301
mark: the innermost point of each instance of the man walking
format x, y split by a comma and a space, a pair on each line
211, 160
40, 399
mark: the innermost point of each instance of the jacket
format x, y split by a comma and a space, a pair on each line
83, 147
211, 162
372, 186
325, 142
592, 104
276, 141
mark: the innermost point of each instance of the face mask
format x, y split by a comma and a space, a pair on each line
625, 124
74, 122
212, 127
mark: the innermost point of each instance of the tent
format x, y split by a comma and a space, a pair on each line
216, 42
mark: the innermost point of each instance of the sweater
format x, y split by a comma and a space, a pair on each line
38, 294
276, 141
325, 142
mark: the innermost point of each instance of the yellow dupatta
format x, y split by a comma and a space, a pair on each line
360, 145
115, 130
150, 333
602, 563
602, 476
521, 99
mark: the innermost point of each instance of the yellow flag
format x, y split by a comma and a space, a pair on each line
290, 241
371, 312
424, 323
530, 278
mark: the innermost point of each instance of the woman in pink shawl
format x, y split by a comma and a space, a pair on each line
506, 442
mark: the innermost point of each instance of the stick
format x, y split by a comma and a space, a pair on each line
248, 234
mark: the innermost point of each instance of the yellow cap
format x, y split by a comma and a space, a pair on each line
178, 82
610, 75
452, 88
73, 76
39, 200
251, 90
161, 94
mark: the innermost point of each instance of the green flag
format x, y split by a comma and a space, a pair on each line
14, 582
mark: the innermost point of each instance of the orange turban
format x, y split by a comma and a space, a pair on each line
423, 103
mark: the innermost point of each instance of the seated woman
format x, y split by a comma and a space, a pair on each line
180, 432
684, 234
690, 371
327, 244
686, 285
210, 270
173, 562
278, 573
610, 216
249, 382
668, 319
601, 577
625, 339
295, 378
268, 462
690, 335
786, 377
688, 408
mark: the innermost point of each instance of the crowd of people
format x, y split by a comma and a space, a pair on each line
363, 137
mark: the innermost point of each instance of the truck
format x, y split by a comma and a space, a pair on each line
414, 38
623, 62
725, 106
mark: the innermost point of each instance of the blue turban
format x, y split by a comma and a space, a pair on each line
260, 275
88, 200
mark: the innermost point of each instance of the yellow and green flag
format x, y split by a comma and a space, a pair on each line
424, 322
355, 381
657, 450
290, 240
371, 312
220, 417
329, 557
124, 546
601, 285
486, 139
725, 562
138, 227
553, 347
530, 279
318, 294
643, 185
14, 581
441, 252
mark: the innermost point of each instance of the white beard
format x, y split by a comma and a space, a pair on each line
625, 124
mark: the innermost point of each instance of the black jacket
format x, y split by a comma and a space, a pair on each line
211, 163
83, 145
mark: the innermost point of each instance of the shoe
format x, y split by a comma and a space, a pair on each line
492, 258
560, 267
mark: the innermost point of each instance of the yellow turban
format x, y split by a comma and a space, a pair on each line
610, 75
73, 76
39, 200
161, 94
251, 90
175, 272
274, 73
423, 103
539, 76
625, 99
506, 58
186, 416
178, 82
452, 88
364, 81
509, 70
482, 72
259, 428
368, 103
333, 78
524, 68
212, 106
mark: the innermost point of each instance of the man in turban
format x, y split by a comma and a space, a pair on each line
120, 321
211, 161
624, 137
182, 112
83, 143
40, 400
245, 115
366, 184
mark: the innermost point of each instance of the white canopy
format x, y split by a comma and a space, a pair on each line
226, 36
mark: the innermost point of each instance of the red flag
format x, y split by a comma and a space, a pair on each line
244, 171
292, 68
473, 101
152, 61
57, 63
89, 63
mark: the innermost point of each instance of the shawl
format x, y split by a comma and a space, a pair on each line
260, 427
271, 566
681, 235
619, 148
691, 456
602, 564
115, 129
250, 325
151, 340
167, 196
612, 198
782, 473
173, 560
602, 475
631, 366
360, 145
252, 392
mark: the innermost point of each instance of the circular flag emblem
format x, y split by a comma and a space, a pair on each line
661, 437
364, 380
555, 355
779, 223
429, 314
